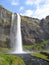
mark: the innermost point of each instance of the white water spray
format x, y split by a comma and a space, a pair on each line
15, 36
18, 37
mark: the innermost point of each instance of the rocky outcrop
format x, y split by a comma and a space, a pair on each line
5, 23
33, 29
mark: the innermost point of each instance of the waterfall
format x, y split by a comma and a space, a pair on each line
18, 37
12, 32
15, 34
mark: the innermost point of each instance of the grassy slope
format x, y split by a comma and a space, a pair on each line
37, 46
10, 60
43, 55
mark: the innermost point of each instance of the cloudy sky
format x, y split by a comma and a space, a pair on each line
32, 8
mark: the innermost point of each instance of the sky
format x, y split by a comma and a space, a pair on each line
32, 8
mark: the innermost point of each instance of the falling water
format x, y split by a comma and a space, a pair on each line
15, 34
12, 31
18, 37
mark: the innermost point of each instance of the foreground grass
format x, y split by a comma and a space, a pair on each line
42, 55
10, 60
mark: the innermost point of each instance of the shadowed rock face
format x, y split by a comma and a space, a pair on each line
33, 29
5, 23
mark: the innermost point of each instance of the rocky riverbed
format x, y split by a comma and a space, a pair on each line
29, 60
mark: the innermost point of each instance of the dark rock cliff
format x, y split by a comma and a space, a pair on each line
5, 23
33, 29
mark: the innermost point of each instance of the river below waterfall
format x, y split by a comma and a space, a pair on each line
29, 60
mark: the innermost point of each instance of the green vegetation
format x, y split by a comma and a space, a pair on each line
4, 49
25, 18
47, 51
42, 55
10, 60
37, 46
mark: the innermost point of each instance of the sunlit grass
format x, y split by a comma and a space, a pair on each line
10, 60
40, 55
4, 49
37, 46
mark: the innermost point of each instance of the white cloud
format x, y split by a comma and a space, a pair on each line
29, 2
42, 11
42, 8
32, 2
28, 13
14, 2
21, 8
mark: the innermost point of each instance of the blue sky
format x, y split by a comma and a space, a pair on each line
32, 8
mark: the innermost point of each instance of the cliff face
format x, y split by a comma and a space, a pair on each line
33, 30
5, 23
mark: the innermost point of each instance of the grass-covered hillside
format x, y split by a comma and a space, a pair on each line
38, 47
42, 55
10, 60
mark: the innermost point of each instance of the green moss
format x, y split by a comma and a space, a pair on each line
3, 60
10, 13
37, 46
47, 51
14, 60
4, 49
25, 19
10, 60
28, 47
41, 55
